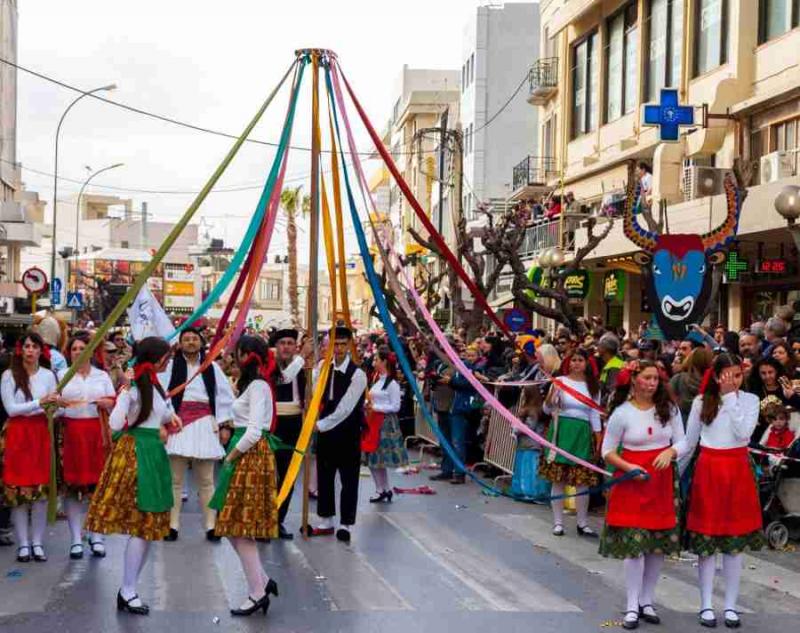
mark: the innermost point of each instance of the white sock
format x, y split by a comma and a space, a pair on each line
38, 520
344, 526
652, 571
96, 537
634, 572
326, 523
582, 507
19, 517
251, 564
706, 568
557, 504
732, 570
378, 476
73, 507
135, 555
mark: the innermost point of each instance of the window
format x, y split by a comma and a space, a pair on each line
711, 42
396, 110
463, 77
468, 71
785, 139
271, 289
776, 17
584, 86
621, 89
665, 46
472, 68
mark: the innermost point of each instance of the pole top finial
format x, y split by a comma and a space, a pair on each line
321, 52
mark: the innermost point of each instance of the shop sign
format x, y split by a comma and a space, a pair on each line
537, 277
614, 285
577, 283
735, 265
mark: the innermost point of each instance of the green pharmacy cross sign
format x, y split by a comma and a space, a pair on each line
734, 266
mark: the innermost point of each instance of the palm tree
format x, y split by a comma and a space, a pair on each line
292, 202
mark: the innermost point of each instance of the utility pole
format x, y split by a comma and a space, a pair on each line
442, 151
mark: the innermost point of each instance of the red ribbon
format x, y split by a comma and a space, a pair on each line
585, 400
46, 352
145, 368
18, 349
706, 379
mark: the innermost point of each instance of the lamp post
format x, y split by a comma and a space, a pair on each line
78, 213
787, 204
108, 88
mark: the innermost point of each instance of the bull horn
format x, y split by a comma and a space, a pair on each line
725, 232
643, 238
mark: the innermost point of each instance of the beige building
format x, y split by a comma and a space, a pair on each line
600, 62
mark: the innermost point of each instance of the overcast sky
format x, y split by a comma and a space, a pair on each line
208, 63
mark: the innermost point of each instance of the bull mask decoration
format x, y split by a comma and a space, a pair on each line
678, 267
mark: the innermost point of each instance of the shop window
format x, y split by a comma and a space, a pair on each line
776, 17
664, 46
711, 41
584, 85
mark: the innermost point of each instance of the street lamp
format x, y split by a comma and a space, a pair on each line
787, 204
107, 88
78, 213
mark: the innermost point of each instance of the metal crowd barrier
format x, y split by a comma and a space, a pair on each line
422, 431
500, 446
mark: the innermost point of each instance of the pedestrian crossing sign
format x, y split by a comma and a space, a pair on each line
75, 300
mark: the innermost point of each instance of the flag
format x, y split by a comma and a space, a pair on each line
147, 317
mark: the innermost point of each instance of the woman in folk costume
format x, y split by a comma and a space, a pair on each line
383, 404
642, 520
576, 429
246, 497
26, 387
86, 441
723, 510
134, 494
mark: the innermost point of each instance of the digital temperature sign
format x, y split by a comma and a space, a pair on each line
777, 266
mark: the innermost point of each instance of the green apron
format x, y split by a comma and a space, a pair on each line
574, 436
153, 472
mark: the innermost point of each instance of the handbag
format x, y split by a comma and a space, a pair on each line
371, 434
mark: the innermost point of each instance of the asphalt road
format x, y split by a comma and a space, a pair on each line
457, 561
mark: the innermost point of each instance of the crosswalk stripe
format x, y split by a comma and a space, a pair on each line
501, 588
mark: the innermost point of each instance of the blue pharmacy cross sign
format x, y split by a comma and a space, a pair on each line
668, 115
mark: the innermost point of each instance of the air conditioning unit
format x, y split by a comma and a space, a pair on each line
700, 181
775, 166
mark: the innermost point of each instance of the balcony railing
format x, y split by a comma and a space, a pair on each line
544, 234
542, 80
534, 171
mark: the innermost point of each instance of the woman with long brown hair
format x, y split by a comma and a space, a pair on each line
724, 514
575, 428
134, 494
641, 523
84, 450
27, 387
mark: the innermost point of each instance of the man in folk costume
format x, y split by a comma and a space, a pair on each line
206, 402
339, 441
290, 397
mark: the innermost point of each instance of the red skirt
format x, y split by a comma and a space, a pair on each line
26, 460
723, 499
371, 435
84, 455
648, 505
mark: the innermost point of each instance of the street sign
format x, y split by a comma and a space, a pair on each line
34, 280
56, 286
75, 300
516, 320
55, 298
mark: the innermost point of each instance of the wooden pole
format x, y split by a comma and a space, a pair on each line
313, 269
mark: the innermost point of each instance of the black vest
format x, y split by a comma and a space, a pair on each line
284, 391
180, 374
348, 431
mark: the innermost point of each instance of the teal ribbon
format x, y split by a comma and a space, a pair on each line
252, 229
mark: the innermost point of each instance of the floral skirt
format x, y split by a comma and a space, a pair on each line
391, 451
250, 508
704, 545
114, 507
571, 475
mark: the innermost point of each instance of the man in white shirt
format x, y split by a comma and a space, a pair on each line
339, 441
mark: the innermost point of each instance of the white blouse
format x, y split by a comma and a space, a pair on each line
732, 428
129, 404
42, 383
253, 410
83, 391
385, 400
639, 430
572, 408
196, 390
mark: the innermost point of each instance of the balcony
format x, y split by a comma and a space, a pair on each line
530, 177
543, 81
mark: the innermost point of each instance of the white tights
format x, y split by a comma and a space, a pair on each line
19, 517
641, 577
135, 556
581, 505
731, 571
381, 478
257, 578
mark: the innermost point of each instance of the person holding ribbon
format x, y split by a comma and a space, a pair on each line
27, 387
203, 406
246, 496
134, 494
641, 523
723, 509
573, 403
87, 439
382, 443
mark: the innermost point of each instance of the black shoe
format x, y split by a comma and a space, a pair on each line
710, 623
458, 480
24, 554
262, 604
271, 588
587, 532
98, 549
732, 623
76, 551
650, 618
389, 495
39, 554
630, 624
284, 534
441, 477
343, 535
125, 605
210, 536
172, 536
